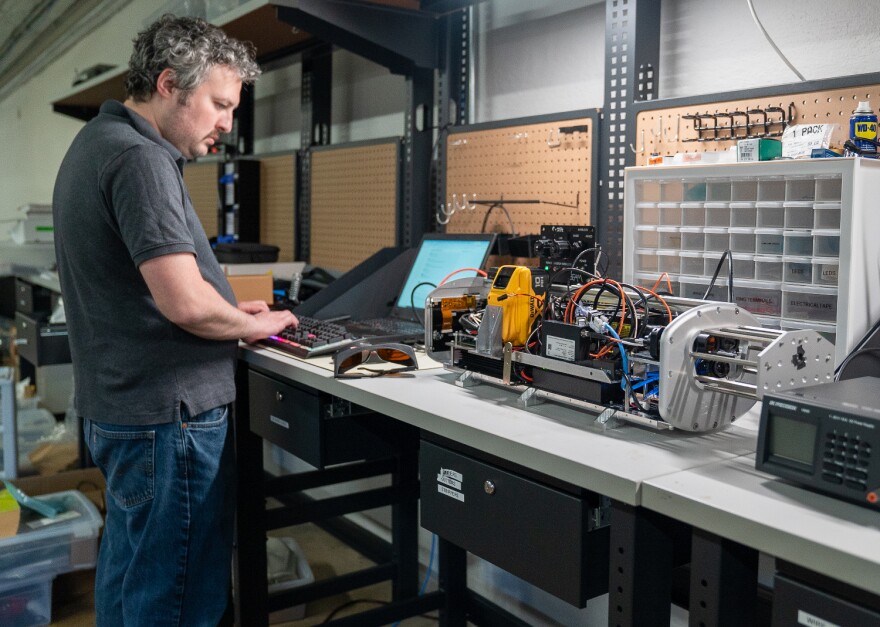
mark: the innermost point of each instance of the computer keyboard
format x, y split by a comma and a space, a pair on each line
311, 338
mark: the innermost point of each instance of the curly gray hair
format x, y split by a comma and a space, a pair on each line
190, 47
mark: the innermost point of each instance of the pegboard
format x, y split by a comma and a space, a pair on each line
202, 183
550, 162
667, 131
278, 204
354, 202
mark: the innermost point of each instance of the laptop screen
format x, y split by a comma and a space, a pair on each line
438, 256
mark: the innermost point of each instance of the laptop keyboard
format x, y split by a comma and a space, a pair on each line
311, 338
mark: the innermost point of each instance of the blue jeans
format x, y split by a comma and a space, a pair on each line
165, 558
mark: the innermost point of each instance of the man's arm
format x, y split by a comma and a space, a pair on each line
190, 302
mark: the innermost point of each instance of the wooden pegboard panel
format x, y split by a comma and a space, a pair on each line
666, 131
278, 204
353, 203
527, 162
201, 181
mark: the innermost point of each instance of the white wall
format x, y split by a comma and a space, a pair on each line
710, 46
34, 138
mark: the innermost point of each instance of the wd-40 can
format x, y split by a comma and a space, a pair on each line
863, 126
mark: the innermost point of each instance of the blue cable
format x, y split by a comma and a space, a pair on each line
623, 356
428, 572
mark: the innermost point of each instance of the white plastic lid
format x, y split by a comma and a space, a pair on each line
743, 256
667, 253
864, 107
691, 229
665, 228
715, 230
797, 233
691, 253
742, 230
827, 232
810, 289
668, 205
768, 258
692, 205
645, 205
826, 205
646, 227
717, 205
769, 231
826, 261
800, 204
795, 259
769, 204
742, 205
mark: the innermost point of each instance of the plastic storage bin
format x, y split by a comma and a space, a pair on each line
305, 577
24, 604
718, 214
768, 268
691, 262
800, 188
743, 266
668, 261
826, 243
798, 215
825, 270
693, 214
770, 214
647, 213
743, 214
670, 213
646, 260
828, 188
57, 547
716, 239
669, 237
646, 236
798, 243
759, 297
826, 215
809, 302
742, 240
692, 238
769, 241
797, 270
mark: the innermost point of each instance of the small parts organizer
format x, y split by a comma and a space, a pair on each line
793, 233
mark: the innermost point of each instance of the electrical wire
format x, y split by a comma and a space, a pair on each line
853, 355
724, 255
771, 42
482, 273
506, 212
412, 299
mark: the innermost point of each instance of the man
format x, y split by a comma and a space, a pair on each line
154, 326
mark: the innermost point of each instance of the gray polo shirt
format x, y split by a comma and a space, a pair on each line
120, 200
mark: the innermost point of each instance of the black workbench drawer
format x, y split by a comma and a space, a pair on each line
796, 603
532, 530
42, 344
30, 298
309, 424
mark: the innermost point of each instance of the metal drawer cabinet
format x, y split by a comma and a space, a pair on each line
41, 343
545, 534
318, 428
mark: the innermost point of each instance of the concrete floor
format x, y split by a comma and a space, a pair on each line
73, 604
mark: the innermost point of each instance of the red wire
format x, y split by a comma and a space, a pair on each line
477, 270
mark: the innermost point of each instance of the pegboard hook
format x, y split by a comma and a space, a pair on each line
659, 131
641, 149
677, 130
551, 142
443, 211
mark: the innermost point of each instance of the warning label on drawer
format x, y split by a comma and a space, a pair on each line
442, 489
449, 483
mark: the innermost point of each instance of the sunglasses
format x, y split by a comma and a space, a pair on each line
374, 361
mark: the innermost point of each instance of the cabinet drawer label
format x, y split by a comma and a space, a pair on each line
805, 618
450, 477
458, 496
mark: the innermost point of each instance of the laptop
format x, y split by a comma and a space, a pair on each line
438, 256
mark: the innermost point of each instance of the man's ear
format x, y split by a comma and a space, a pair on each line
166, 83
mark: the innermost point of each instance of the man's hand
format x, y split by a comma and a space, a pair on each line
253, 306
270, 323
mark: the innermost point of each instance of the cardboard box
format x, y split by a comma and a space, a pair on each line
758, 149
54, 457
89, 481
252, 287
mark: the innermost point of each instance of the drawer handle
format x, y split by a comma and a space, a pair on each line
279, 396
21, 341
489, 487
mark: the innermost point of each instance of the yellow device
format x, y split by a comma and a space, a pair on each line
514, 290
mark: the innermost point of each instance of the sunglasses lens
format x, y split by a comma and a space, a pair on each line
352, 361
393, 355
